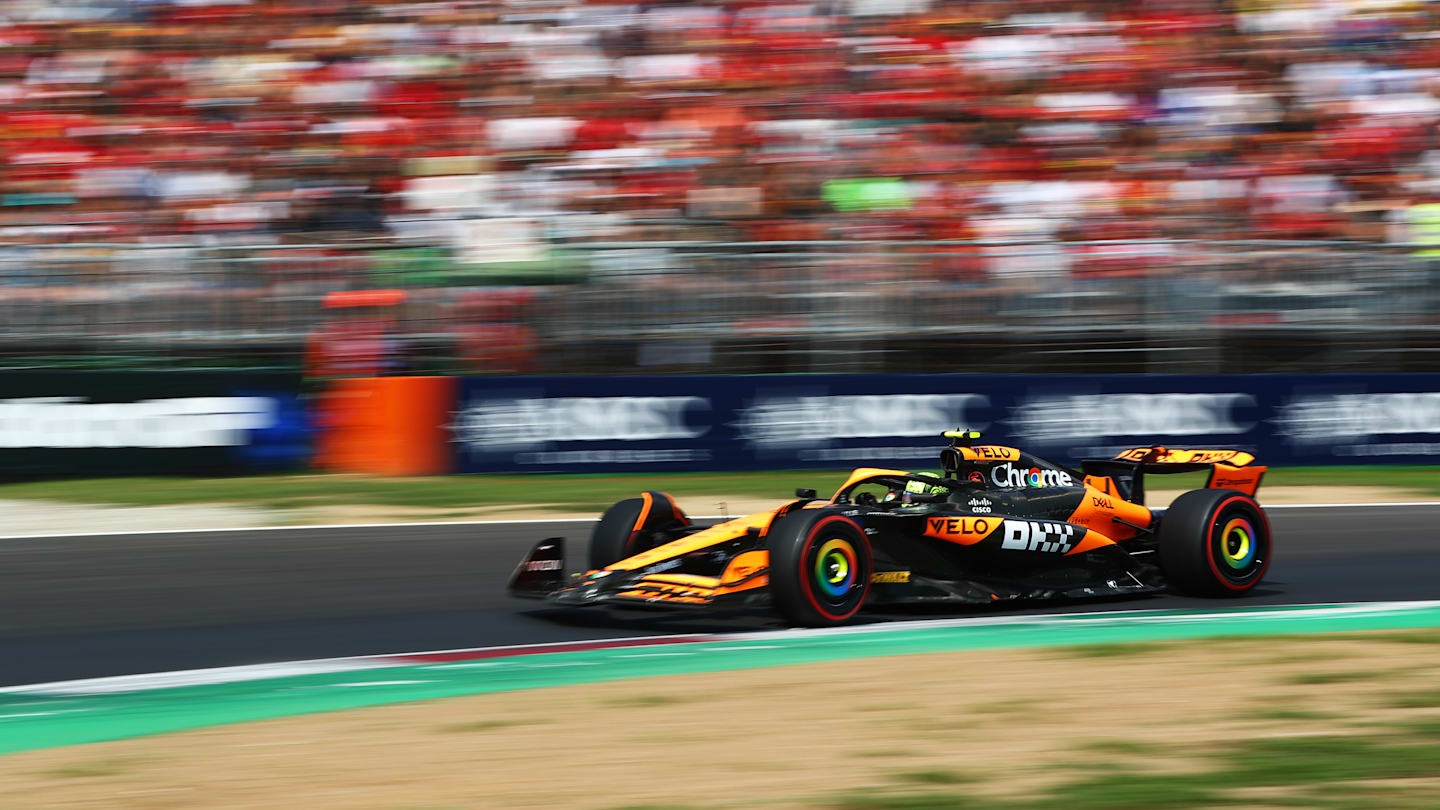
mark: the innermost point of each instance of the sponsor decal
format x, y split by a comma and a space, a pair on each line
554, 457
780, 421
1007, 475
542, 565
1245, 479
1030, 535
1101, 502
1318, 419
1077, 416
996, 452
980, 505
489, 425
976, 477
75, 422
890, 576
963, 530
1180, 456
663, 566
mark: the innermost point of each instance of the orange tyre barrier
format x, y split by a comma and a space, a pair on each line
386, 426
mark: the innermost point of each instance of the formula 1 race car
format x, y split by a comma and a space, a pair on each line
996, 524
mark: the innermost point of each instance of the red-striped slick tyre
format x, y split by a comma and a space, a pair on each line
820, 566
1214, 542
632, 526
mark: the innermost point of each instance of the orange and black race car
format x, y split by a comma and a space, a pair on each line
996, 524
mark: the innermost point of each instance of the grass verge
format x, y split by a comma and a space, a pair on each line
568, 491
1342, 772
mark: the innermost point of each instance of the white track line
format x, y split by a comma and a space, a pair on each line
312, 666
159, 680
193, 677
319, 526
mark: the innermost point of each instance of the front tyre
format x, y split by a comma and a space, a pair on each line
632, 526
820, 568
1214, 542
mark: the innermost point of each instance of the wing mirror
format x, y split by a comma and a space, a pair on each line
804, 493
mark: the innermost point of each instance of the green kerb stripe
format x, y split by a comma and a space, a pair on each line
30, 720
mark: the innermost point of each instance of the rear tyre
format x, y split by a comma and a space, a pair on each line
632, 526
820, 568
1214, 542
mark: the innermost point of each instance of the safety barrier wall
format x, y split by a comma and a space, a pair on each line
54, 423
597, 424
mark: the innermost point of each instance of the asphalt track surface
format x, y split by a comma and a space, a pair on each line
97, 605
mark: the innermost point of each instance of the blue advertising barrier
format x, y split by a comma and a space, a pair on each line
150, 423
604, 424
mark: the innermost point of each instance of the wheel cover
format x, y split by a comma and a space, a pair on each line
836, 568
1237, 546
1240, 547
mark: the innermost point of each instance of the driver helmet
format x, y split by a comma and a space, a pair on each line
913, 488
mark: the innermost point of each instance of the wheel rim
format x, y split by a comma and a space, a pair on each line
1240, 547
836, 570
1237, 543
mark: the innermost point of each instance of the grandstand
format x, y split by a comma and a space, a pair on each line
770, 186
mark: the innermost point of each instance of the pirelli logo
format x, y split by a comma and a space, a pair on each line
890, 576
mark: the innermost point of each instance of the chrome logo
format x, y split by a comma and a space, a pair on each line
1005, 475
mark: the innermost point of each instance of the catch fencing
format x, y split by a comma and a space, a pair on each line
698, 307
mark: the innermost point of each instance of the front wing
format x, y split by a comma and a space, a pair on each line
541, 576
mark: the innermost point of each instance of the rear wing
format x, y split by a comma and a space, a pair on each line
1124, 475
1165, 455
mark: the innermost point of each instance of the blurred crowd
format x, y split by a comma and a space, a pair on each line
325, 120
